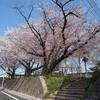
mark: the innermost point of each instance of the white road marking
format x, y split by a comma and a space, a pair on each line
9, 95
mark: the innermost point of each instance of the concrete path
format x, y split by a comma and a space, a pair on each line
6, 94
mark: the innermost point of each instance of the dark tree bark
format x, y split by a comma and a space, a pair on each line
28, 71
13, 74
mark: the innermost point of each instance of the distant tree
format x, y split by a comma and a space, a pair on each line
12, 50
8, 64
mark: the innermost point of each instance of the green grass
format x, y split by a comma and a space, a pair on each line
55, 83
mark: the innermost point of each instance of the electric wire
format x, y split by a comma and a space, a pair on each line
97, 15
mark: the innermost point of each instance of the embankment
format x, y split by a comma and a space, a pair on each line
34, 86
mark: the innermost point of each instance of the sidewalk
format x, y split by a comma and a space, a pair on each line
25, 96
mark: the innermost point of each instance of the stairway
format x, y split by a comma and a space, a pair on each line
73, 91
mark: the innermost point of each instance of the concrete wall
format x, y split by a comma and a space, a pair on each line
94, 92
34, 86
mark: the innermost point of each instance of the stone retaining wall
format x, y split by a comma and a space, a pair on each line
94, 92
34, 86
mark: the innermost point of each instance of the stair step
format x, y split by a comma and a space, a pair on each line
67, 89
71, 92
69, 95
76, 85
74, 88
62, 98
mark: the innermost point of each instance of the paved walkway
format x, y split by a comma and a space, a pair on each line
24, 96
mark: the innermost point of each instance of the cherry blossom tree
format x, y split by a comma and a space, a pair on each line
12, 48
56, 35
7, 61
95, 51
8, 64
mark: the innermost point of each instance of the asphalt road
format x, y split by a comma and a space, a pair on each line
7, 96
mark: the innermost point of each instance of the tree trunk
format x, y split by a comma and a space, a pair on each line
13, 74
49, 69
45, 70
28, 71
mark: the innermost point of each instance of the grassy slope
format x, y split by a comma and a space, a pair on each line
55, 83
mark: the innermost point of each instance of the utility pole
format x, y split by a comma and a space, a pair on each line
80, 70
85, 59
3, 80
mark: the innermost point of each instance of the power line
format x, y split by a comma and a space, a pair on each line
96, 7
91, 7
91, 4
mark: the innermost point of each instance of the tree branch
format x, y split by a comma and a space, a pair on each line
30, 13
67, 2
36, 68
71, 13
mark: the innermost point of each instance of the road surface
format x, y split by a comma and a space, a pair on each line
7, 96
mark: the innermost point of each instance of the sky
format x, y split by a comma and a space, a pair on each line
9, 17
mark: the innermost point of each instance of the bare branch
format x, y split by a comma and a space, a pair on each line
60, 4
37, 68
71, 13
40, 55
67, 2
30, 13
56, 2
33, 62
48, 22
